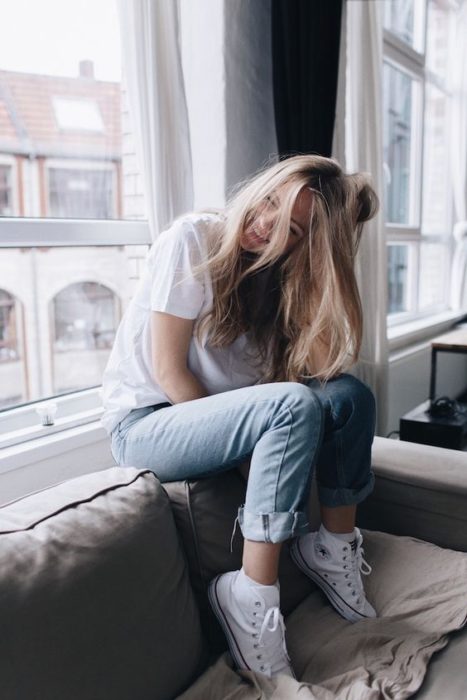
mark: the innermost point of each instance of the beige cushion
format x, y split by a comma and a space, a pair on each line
95, 600
420, 592
420, 490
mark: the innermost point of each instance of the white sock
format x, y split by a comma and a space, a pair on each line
270, 593
344, 536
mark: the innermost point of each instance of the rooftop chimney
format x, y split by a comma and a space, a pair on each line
86, 69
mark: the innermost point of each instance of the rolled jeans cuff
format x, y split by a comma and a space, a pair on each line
344, 496
272, 527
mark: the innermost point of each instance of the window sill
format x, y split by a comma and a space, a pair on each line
33, 451
35, 432
82, 406
406, 334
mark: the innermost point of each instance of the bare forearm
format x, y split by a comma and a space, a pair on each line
182, 385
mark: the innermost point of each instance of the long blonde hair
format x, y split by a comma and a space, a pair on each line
293, 304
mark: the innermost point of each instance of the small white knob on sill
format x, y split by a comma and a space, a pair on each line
47, 412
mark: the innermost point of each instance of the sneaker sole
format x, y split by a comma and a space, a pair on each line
333, 596
219, 613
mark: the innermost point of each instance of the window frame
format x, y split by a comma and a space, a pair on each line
404, 57
20, 424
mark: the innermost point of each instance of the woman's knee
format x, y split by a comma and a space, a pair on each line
349, 397
300, 396
362, 397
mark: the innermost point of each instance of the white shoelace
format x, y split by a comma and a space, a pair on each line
274, 614
233, 534
361, 564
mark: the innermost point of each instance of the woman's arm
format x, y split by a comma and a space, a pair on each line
170, 340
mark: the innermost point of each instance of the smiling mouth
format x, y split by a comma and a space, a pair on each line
256, 238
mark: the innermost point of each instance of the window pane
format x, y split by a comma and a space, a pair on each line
12, 376
73, 191
397, 143
64, 119
406, 19
433, 269
398, 256
59, 311
399, 18
438, 37
6, 191
436, 180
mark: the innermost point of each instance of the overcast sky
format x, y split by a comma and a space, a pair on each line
52, 36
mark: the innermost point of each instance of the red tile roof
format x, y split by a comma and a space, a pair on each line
28, 123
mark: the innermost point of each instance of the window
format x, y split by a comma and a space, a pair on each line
8, 330
6, 191
405, 19
12, 369
73, 229
75, 297
418, 192
84, 193
81, 115
399, 142
85, 318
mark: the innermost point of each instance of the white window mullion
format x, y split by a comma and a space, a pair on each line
416, 165
414, 276
401, 233
22, 233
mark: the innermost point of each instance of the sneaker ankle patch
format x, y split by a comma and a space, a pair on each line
322, 552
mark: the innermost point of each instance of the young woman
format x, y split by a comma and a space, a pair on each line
233, 350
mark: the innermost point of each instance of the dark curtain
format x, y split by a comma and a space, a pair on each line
305, 58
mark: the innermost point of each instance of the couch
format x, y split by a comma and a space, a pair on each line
103, 590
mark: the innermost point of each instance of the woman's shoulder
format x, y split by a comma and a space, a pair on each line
190, 238
192, 229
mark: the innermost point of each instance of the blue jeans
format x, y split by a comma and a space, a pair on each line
288, 429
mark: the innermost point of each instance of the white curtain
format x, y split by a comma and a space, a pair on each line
458, 73
364, 153
150, 37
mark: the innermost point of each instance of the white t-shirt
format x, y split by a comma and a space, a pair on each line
170, 284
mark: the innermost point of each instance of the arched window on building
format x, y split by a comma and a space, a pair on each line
13, 376
85, 319
9, 350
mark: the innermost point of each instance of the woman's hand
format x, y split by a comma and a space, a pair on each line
170, 342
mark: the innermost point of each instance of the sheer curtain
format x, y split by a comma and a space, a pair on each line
364, 153
458, 71
150, 37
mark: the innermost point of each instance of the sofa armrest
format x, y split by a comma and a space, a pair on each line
420, 491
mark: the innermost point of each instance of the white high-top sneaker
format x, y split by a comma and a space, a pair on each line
250, 617
336, 567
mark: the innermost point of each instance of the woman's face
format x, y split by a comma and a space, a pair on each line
257, 232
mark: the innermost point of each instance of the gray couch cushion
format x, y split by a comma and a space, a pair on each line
447, 675
95, 600
420, 490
